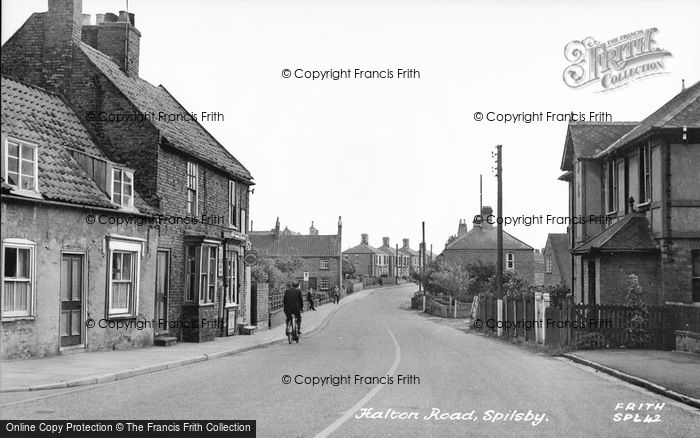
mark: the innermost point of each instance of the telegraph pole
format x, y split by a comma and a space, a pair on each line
499, 235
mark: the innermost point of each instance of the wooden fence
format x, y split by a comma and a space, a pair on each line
585, 325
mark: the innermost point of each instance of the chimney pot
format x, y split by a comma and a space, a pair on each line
110, 18
99, 18
87, 19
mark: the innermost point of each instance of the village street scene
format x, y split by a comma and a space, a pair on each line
177, 260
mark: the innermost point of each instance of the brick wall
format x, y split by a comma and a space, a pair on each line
56, 229
614, 269
263, 305
677, 270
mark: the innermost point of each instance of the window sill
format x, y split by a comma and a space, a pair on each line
232, 306
25, 193
644, 206
120, 317
611, 213
18, 318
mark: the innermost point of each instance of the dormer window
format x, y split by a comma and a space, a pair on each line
21, 165
123, 188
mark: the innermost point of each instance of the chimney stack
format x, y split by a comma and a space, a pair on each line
405, 243
385, 241
486, 211
109, 36
277, 228
312, 230
462, 229
62, 26
364, 239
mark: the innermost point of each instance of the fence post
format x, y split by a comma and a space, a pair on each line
538, 318
545, 306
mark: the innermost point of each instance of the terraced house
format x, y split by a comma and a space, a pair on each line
196, 186
640, 180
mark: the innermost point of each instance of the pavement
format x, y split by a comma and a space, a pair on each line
671, 373
89, 368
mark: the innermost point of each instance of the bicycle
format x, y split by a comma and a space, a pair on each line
292, 330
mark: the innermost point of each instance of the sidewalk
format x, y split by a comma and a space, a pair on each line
673, 374
65, 371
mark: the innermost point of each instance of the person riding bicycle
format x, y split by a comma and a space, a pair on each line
293, 304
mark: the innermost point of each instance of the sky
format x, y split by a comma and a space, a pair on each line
388, 154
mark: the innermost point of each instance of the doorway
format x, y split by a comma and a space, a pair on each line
71, 320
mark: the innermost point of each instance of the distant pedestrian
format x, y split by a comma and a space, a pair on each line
310, 298
335, 294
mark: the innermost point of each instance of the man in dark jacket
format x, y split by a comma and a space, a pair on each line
310, 299
293, 303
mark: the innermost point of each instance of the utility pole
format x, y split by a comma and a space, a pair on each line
396, 269
499, 236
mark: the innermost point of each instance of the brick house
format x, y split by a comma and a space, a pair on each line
320, 254
393, 263
557, 260
480, 245
78, 241
639, 182
411, 257
198, 188
364, 257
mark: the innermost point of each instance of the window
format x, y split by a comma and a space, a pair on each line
510, 260
325, 264
325, 283
21, 165
123, 188
192, 181
18, 278
644, 175
124, 262
190, 272
549, 264
207, 275
232, 278
611, 186
232, 204
696, 275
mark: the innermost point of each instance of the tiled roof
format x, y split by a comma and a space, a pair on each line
362, 249
586, 139
294, 245
561, 255
485, 238
682, 110
185, 135
387, 250
38, 116
408, 251
629, 234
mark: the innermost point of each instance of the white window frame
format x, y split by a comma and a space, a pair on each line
644, 171
192, 278
233, 219
325, 264
136, 249
321, 281
192, 186
232, 292
31, 298
205, 276
548, 264
510, 261
130, 204
6, 155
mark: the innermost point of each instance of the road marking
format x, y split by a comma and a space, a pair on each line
350, 412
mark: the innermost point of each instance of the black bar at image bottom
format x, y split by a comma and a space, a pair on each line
127, 428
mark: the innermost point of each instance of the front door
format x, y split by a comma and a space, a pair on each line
313, 284
71, 324
162, 285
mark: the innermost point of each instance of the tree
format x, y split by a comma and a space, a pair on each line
637, 333
348, 269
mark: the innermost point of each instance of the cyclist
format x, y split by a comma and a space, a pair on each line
293, 304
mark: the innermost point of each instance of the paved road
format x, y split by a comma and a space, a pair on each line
453, 373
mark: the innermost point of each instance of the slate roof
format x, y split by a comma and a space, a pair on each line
185, 135
362, 249
559, 243
630, 234
586, 139
682, 110
294, 245
41, 117
408, 251
387, 250
485, 238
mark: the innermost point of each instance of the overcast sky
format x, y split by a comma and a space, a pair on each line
386, 154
